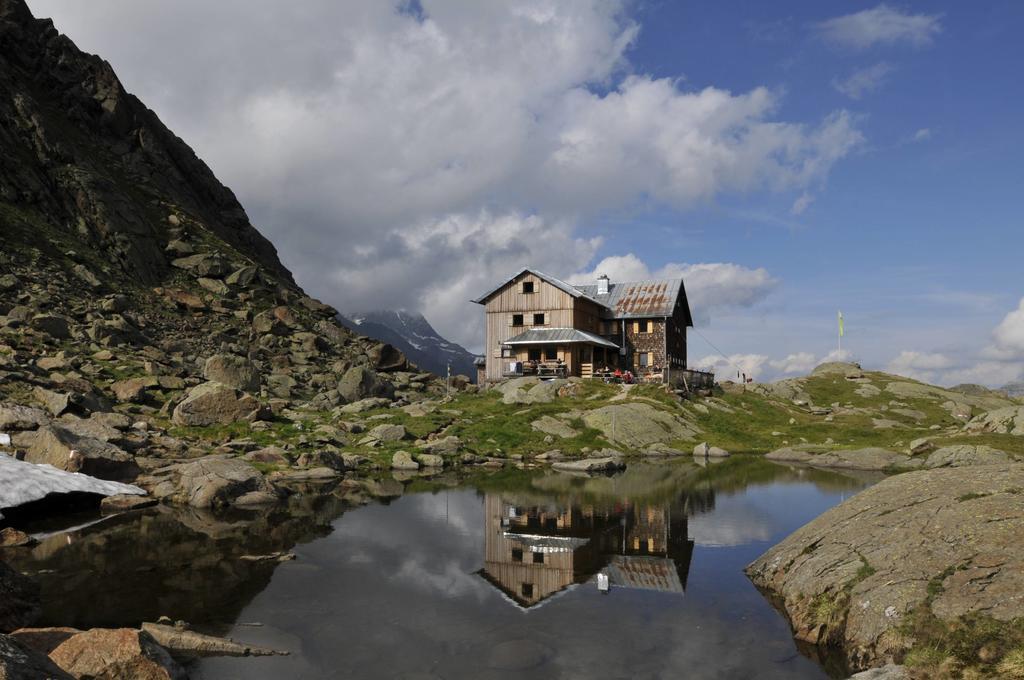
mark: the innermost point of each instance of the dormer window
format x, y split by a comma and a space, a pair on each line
527, 287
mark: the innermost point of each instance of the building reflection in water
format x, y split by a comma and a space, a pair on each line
535, 552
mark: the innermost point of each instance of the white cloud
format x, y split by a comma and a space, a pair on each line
998, 363
1008, 336
924, 366
801, 204
800, 363
922, 135
710, 286
387, 152
734, 366
881, 25
863, 81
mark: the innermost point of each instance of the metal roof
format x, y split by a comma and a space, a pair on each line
574, 291
646, 573
641, 299
548, 336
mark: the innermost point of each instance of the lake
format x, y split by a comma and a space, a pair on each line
493, 576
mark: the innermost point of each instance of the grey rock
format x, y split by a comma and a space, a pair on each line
858, 459
213, 403
361, 382
402, 460
636, 425
607, 464
388, 433
64, 450
963, 455
233, 371
554, 427
959, 526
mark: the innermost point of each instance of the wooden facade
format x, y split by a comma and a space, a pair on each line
647, 327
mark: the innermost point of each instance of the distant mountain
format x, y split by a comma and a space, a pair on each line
412, 334
1014, 389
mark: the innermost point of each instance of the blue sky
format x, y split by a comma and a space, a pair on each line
788, 159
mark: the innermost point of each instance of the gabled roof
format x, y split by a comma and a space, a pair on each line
557, 283
545, 336
642, 299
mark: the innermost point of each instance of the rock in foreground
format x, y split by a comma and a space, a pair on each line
19, 662
945, 543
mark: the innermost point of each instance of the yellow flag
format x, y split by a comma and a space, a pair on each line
841, 328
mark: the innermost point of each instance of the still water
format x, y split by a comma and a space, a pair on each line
490, 577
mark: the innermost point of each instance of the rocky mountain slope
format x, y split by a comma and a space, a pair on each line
413, 335
140, 310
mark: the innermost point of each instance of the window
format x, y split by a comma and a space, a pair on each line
526, 589
644, 359
517, 319
642, 327
527, 287
517, 554
538, 319
538, 558
550, 353
534, 354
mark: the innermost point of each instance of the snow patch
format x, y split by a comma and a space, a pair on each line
22, 482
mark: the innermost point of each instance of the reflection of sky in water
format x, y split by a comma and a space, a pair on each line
394, 592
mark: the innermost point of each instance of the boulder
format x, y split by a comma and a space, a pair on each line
233, 371
13, 538
273, 455
213, 403
212, 482
842, 368
116, 654
359, 382
449, 445
962, 455
554, 427
705, 450
388, 433
607, 464
531, 391
366, 405
921, 446
858, 459
403, 461
14, 417
946, 540
18, 661
44, 640
1007, 420
430, 460
65, 450
55, 326
131, 390
384, 357
202, 265
636, 425
125, 503
190, 644
327, 459
19, 600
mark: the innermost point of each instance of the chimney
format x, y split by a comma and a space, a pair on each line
602, 285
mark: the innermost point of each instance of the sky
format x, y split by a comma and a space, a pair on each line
788, 159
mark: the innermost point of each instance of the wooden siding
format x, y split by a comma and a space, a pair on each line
558, 307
